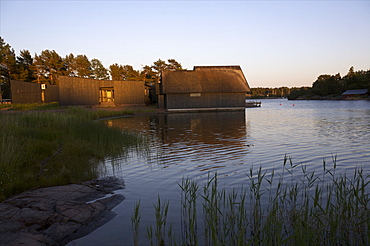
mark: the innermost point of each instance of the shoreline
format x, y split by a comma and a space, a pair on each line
57, 215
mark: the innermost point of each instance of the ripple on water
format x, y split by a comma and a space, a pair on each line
231, 143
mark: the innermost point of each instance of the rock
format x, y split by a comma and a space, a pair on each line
10, 226
29, 216
57, 215
7, 211
58, 231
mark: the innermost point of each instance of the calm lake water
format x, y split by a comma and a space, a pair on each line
195, 144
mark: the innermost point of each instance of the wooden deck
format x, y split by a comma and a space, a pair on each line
188, 110
252, 104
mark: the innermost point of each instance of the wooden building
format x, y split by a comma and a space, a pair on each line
203, 88
28, 92
359, 93
80, 91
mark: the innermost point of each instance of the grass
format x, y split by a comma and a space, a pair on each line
100, 113
31, 106
290, 207
5, 106
78, 110
39, 149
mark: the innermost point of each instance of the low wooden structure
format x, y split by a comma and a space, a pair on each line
81, 91
359, 93
203, 88
28, 92
252, 104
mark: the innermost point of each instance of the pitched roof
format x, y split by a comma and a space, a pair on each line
355, 92
205, 79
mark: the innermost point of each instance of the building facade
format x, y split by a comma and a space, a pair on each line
80, 91
203, 88
28, 92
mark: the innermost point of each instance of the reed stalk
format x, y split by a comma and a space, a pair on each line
135, 222
292, 207
161, 211
189, 196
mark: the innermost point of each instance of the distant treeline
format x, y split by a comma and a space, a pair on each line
46, 66
266, 92
325, 87
332, 86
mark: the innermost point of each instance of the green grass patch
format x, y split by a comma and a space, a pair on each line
276, 208
39, 149
5, 106
81, 112
33, 106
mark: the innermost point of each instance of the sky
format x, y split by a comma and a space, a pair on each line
276, 43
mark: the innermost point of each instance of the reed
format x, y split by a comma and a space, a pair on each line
135, 222
189, 196
160, 232
288, 207
39, 149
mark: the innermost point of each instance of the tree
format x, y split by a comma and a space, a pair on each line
357, 79
83, 67
7, 68
351, 72
71, 66
116, 72
297, 93
159, 66
173, 65
48, 65
148, 74
328, 85
78, 66
98, 70
130, 73
25, 67
7, 60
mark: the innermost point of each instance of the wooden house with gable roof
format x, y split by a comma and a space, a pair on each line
203, 88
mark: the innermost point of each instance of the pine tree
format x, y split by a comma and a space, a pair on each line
98, 70
48, 65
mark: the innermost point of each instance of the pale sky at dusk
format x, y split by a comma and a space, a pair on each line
277, 43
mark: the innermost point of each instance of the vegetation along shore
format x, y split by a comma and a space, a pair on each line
289, 206
56, 146
326, 87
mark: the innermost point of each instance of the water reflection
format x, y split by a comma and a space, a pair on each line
191, 145
205, 139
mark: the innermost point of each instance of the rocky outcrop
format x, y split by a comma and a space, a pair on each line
57, 215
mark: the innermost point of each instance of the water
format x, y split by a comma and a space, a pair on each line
195, 144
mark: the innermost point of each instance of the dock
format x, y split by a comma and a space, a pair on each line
252, 104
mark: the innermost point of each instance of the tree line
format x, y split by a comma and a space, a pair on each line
48, 65
325, 87
332, 86
268, 92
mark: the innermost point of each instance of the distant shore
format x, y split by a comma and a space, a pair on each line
316, 97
